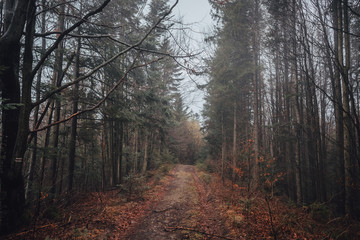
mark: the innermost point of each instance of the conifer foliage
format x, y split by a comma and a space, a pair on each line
88, 93
282, 105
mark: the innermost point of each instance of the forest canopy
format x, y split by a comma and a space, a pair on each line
91, 99
89, 94
282, 100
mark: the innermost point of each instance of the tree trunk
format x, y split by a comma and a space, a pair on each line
74, 120
57, 79
223, 147
255, 165
103, 157
234, 143
135, 149
43, 161
29, 191
338, 107
348, 130
145, 160
296, 107
12, 183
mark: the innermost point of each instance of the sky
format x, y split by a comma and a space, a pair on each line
195, 14
194, 11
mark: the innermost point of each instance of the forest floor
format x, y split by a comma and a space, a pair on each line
185, 203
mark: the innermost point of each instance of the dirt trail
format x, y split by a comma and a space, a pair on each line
185, 212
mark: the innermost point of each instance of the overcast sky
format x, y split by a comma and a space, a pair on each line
196, 13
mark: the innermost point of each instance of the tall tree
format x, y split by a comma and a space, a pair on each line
17, 95
12, 203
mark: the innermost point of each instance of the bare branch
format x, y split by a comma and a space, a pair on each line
52, 7
134, 46
63, 34
93, 107
97, 105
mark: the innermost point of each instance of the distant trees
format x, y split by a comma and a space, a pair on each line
283, 96
229, 92
88, 95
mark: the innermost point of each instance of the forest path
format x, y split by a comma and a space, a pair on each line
185, 212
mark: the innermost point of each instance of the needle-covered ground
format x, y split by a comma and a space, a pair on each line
186, 204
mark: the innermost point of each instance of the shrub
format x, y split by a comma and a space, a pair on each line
320, 212
206, 178
51, 213
134, 185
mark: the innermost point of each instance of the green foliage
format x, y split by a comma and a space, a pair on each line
164, 169
161, 172
320, 212
9, 106
202, 161
162, 159
230, 86
80, 233
202, 166
3, 68
206, 178
52, 213
247, 203
290, 219
134, 185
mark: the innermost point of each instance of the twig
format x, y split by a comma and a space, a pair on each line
37, 228
166, 209
197, 231
334, 220
342, 233
271, 218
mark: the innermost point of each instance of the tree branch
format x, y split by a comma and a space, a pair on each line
93, 107
134, 46
66, 32
14, 31
102, 100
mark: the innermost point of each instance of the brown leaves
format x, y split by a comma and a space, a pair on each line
247, 216
96, 216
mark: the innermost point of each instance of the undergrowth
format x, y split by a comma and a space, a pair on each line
256, 215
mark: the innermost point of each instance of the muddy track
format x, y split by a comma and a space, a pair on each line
185, 212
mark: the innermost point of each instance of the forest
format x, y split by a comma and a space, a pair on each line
98, 140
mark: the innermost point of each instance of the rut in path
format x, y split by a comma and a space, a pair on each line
183, 213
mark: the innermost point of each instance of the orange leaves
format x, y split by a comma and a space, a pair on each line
44, 196
100, 215
238, 187
238, 171
260, 159
247, 217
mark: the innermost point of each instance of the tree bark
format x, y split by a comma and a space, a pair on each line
145, 159
255, 165
234, 143
74, 120
57, 79
223, 147
29, 191
348, 130
295, 105
12, 182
